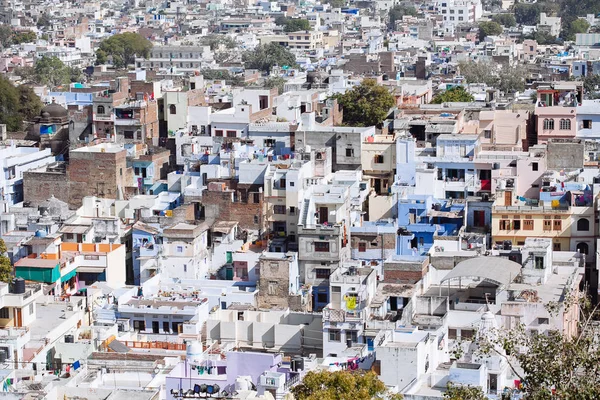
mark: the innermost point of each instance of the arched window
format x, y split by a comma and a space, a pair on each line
101, 110
548, 123
565, 124
583, 248
172, 109
583, 225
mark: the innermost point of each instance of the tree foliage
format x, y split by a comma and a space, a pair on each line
123, 48
295, 24
264, 57
505, 19
398, 11
49, 71
43, 21
527, 14
23, 37
574, 27
457, 94
5, 35
591, 86
274, 82
506, 78
367, 104
489, 28
6, 268
336, 3
17, 104
222, 75
216, 41
324, 385
552, 365
459, 392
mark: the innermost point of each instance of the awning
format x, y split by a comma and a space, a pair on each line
46, 275
92, 270
68, 275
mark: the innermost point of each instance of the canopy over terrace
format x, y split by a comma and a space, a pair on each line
499, 271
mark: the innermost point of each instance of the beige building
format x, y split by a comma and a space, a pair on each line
305, 40
504, 130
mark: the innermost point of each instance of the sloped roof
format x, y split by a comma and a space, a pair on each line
497, 270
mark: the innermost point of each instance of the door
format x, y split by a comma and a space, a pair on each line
323, 215
155, 327
508, 198
166, 327
18, 317
229, 274
493, 383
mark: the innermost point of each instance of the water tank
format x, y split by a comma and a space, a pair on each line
40, 233
19, 286
69, 339
194, 353
437, 207
299, 363
3, 355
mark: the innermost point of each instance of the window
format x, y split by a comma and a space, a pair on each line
279, 210
273, 287
128, 134
565, 124
231, 133
101, 110
538, 262
543, 321
587, 124
528, 225
292, 210
460, 18
291, 184
557, 225
180, 249
362, 247
548, 123
256, 219
282, 183
218, 132
451, 18
460, 11
352, 335
505, 225
335, 335
4, 313
322, 273
184, 267
516, 224
534, 166
378, 159
322, 247
451, 333
556, 247
269, 143
349, 152
583, 225
487, 134
466, 333
547, 225
172, 109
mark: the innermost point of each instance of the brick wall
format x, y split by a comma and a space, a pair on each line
248, 208
40, 186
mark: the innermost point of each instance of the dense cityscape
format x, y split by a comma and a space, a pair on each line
311, 200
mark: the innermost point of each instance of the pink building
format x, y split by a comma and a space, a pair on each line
556, 110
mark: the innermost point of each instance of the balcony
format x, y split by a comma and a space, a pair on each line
337, 315
127, 121
106, 118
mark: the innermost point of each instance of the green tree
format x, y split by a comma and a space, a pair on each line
222, 75
366, 104
23, 37
527, 14
281, 20
123, 48
574, 27
553, 362
336, 3
398, 11
6, 269
101, 57
264, 57
52, 72
43, 21
216, 41
490, 28
505, 19
457, 94
459, 392
274, 82
5, 35
30, 104
324, 385
296, 25
543, 38
9, 106
591, 86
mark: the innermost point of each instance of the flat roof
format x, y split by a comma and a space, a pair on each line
497, 270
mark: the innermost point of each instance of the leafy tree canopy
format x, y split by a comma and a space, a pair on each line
457, 392
6, 268
294, 24
505, 19
337, 385
489, 28
457, 94
336, 3
123, 48
17, 104
574, 27
43, 21
264, 57
506, 78
215, 41
367, 104
23, 37
398, 11
223, 75
527, 14
49, 71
